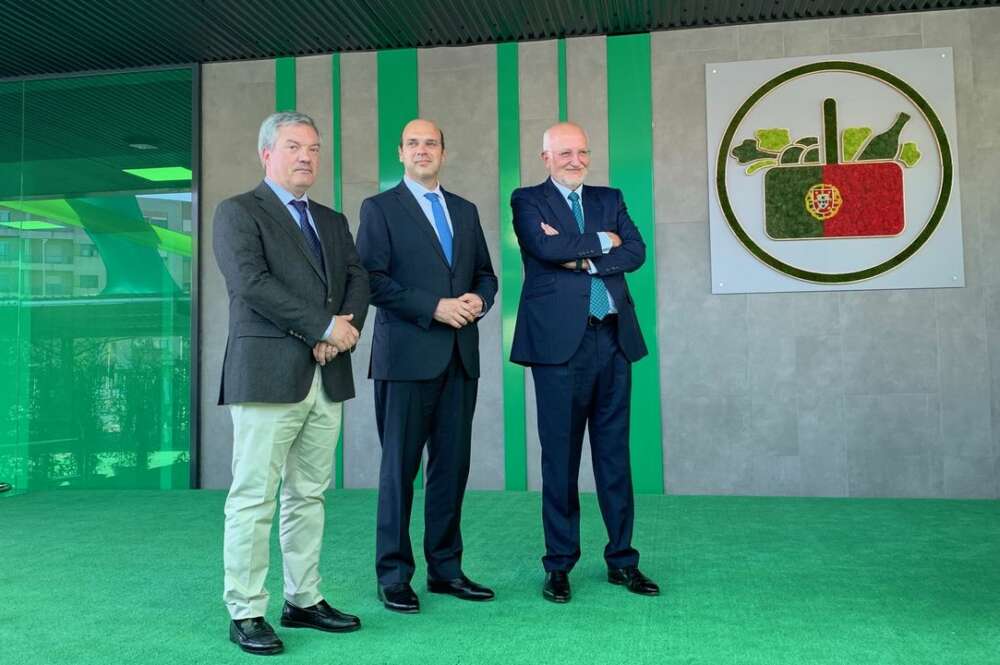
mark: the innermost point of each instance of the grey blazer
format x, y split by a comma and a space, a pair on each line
280, 300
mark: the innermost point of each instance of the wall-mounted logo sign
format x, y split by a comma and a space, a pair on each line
832, 174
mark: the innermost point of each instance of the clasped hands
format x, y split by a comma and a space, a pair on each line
459, 312
343, 338
616, 240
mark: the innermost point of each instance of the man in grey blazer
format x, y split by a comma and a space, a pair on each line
298, 296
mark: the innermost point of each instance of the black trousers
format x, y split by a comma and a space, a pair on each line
409, 414
591, 391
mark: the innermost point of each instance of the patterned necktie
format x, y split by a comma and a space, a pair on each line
600, 304
440, 223
307, 230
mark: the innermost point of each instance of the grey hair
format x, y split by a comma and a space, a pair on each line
272, 123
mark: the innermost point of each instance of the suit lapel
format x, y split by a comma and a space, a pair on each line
593, 211
418, 217
560, 208
271, 204
327, 242
457, 226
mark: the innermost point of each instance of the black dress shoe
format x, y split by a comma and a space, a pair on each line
460, 587
556, 587
320, 616
255, 636
399, 598
633, 580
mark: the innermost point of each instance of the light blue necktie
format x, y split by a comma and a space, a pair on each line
440, 223
600, 304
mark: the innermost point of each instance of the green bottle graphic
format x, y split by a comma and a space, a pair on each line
886, 144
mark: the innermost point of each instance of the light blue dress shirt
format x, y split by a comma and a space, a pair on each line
605, 240
286, 198
418, 192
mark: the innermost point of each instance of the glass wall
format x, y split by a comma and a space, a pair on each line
95, 281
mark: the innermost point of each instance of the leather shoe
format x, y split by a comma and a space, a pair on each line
556, 587
633, 580
320, 616
255, 635
399, 598
460, 587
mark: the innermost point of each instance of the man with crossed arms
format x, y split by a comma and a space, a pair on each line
577, 330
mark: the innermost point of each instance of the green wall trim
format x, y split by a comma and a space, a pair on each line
630, 155
398, 103
284, 84
336, 139
509, 158
561, 60
336, 175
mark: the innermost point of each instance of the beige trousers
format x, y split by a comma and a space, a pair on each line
293, 444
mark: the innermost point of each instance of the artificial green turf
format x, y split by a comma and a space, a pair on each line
135, 577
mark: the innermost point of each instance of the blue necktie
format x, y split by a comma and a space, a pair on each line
307, 230
600, 304
440, 223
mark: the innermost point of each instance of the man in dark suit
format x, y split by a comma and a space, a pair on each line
431, 280
577, 330
297, 299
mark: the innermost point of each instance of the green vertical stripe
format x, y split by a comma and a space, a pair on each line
336, 141
398, 103
630, 148
509, 157
338, 204
284, 84
561, 59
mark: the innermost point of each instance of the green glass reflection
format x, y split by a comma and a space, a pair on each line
13, 430
96, 298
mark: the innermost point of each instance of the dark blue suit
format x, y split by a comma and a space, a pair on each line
581, 368
426, 373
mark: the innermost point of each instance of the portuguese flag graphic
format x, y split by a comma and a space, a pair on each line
859, 196
834, 200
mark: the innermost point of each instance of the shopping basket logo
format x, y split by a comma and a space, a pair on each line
832, 184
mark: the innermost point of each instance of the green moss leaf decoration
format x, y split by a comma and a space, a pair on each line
773, 140
791, 154
748, 151
811, 156
761, 164
909, 154
807, 141
851, 141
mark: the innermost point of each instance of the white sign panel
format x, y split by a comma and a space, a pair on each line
834, 173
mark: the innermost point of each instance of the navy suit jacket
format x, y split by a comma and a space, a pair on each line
409, 275
552, 315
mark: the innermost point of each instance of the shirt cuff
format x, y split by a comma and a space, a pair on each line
329, 328
591, 268
605, 242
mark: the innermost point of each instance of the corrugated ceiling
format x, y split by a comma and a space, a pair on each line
59, 36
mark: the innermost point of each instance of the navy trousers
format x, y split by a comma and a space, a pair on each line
409, 414
591, 391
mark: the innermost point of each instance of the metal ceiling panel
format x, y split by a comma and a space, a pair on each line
62, 36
